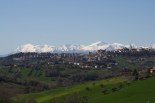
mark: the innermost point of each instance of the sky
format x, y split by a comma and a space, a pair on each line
57, 22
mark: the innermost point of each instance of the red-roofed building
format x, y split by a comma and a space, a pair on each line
152, 71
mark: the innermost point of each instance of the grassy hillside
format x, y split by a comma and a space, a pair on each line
46, 96
140, 91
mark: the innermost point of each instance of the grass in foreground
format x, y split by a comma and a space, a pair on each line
45, 97
141, 91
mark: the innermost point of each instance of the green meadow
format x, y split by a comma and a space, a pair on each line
45, 97
141, 91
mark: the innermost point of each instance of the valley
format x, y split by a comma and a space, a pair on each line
52, 77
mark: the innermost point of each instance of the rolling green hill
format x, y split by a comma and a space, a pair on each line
140, 91
45, 97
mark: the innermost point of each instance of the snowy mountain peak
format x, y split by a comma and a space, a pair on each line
115, 46
96, 46
76, 48
48, 48
99, 43
26, 48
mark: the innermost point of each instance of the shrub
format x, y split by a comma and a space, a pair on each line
88, 88
102, 86
114, 89
129, 83
104, 91
120, 86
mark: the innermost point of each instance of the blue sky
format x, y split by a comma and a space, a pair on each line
57, 22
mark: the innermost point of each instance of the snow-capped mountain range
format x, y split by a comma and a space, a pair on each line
76, 48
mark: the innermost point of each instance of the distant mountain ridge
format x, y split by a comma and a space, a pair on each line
76, 48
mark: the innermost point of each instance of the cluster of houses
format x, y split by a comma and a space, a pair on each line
100, 59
